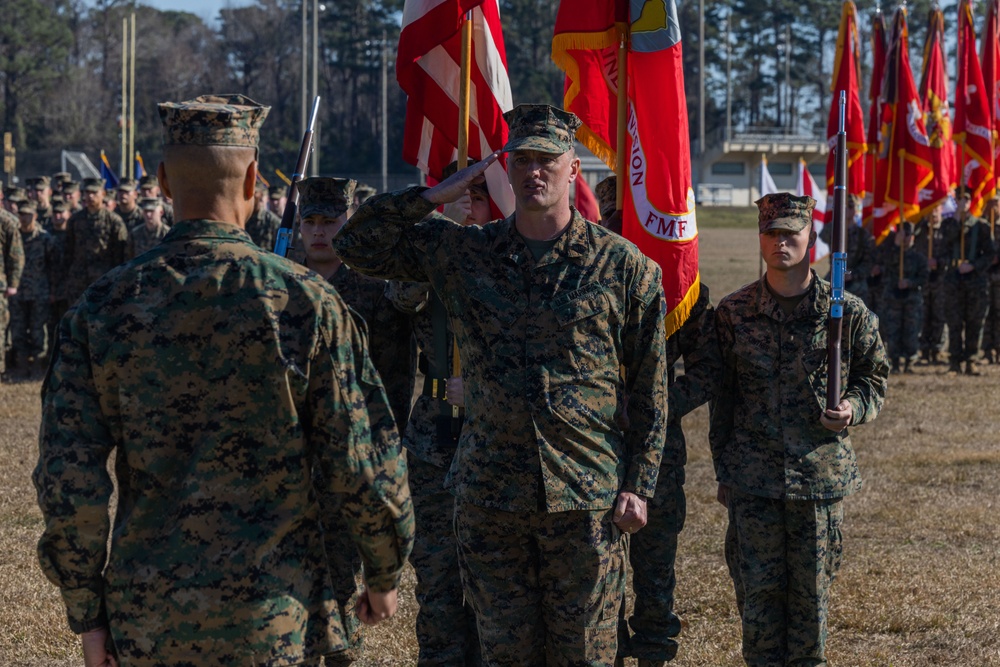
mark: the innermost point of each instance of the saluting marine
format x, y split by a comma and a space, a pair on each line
547, 308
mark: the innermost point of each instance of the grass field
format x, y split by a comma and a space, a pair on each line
920, 580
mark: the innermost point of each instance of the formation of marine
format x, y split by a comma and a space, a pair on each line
274, 474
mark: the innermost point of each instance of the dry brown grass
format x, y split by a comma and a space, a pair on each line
920, 581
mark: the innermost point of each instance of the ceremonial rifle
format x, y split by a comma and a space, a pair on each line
284, 240
838, 263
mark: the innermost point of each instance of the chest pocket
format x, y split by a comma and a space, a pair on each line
755, 357
570, 313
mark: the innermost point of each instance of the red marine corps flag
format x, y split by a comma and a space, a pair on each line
937, 115
846, 77
990, 60
908, 154
973, 124
877, 217
659, 213
428, 69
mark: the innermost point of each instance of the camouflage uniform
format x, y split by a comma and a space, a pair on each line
860, 249
141, 239
543, 340
29, 308
390, 345
932, 328
787, 473
653, 549
263, 228
131, 219
966, 294
991, 334
446, 625
95, 244
11, 268
59, 303
233, 384
903, 309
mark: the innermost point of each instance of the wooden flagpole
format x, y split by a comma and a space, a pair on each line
130, 164
124, 128
464, 92
463, 158
961, 175
902, 218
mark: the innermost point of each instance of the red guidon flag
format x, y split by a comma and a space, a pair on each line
846, 77
990, 61
659, 214
937, 115
973, 124
877, 217
585, 47
428, 69
908, 157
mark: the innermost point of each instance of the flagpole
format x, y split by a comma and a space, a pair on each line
961, 175
464, 92
124, 93
760, 253
902, 218
131, 102
621, 165
463, 159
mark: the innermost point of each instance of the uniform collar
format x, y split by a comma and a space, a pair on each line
574, 244
186, 230
816, 301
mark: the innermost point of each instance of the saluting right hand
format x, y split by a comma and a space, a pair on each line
456, 185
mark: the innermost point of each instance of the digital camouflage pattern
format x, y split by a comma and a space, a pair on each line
784, 469
860, 248
60, 304
29, 308
540, 127
141, 238
95, 244
793, 541
654, 548
607, 196
213, 120
932, 327
545, 340
132, 219
235, 387
420, 439
263, 228
576, 620
11, 268
902, 310
325, 196
766, 436
991, 329
389, 333
784, 210
965, 295
445, 625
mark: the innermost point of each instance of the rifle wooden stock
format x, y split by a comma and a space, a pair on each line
838, 265
284, 238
